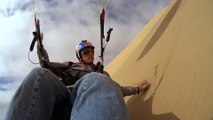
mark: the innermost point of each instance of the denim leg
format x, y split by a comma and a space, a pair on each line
36, 97
97, 97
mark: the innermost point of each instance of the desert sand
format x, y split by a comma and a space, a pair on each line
174, 52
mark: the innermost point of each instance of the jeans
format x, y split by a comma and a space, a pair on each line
42, 96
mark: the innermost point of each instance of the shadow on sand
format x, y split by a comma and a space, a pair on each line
160, 29
142, 110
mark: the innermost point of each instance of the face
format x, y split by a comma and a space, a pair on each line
87, 55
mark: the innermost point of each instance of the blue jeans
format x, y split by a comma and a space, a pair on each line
42, 96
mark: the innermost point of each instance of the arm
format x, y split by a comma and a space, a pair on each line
128, 90
42, 56
45, 62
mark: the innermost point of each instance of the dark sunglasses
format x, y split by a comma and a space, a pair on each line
86, 52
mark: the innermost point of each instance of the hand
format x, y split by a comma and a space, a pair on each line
144, 86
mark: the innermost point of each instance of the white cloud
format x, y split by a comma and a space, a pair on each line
14, 41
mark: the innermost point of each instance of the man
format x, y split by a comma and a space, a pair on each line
45, 95
70, 72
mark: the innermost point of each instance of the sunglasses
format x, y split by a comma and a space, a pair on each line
86, 52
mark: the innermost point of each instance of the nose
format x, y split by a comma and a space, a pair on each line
91, 52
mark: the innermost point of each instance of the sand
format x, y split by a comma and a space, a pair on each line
174, 52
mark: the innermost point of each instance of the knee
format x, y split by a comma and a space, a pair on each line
42, 72
38, 70
96, 80
40, 75
35, 73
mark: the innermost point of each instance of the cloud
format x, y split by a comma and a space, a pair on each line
5, 82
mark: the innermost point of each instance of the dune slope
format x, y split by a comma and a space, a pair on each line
174, 52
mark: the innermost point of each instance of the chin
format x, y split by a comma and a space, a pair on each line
89, 62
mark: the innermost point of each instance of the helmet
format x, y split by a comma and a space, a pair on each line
83, 44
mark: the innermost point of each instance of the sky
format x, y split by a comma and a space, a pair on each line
64, 24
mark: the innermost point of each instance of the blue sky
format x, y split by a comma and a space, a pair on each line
64, 23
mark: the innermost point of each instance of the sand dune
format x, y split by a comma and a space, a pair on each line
174, 52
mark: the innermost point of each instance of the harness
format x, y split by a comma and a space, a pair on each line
72, 72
